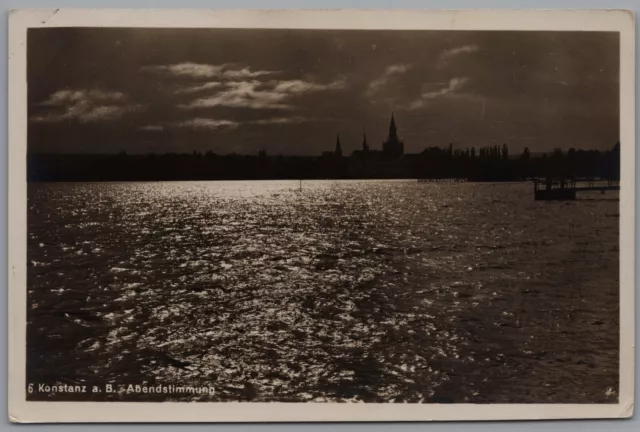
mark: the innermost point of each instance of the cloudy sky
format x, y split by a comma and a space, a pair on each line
291, 91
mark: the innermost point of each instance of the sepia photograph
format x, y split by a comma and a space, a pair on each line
324, 216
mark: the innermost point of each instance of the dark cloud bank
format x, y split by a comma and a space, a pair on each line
291, 91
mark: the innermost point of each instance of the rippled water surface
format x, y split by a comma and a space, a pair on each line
342, 291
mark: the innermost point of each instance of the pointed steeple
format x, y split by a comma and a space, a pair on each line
393, 133
365, 146
338, 151
393, 147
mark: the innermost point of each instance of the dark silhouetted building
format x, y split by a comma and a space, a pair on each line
338, 151
393, 147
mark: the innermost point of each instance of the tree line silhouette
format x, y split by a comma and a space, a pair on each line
493, 163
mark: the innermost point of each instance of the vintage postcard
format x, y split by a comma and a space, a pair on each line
261, 215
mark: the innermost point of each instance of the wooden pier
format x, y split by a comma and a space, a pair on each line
566, 189
603, 189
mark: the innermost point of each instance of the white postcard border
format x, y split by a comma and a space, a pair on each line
21, 410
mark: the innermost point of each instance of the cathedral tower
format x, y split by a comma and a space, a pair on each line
393, 147
365, 146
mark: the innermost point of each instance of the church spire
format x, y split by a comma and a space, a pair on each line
338, 151
365, 146
393, 147
393, 133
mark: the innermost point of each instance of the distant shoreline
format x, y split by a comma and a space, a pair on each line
355, 180
492, 164
276, 180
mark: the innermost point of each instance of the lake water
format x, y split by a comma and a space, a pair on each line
342, 291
